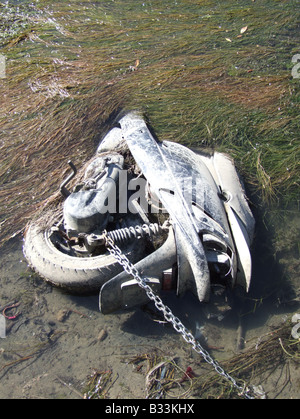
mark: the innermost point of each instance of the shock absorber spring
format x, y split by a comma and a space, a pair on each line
124, 234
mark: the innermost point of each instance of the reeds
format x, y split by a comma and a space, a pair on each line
98, 384
70, 70
165, 378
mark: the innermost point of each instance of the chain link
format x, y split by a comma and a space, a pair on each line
169, 316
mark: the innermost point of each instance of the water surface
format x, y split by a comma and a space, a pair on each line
206, 74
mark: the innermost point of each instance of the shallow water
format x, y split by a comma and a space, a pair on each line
70, 67
50, 354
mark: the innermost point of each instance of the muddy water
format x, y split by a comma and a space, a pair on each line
65, 338
57, 340
200, 82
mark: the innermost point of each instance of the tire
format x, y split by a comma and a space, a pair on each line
75, 274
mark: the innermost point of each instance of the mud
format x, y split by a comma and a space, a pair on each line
58, 341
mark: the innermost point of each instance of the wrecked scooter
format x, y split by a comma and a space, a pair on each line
180, 216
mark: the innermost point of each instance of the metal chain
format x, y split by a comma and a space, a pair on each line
169, 316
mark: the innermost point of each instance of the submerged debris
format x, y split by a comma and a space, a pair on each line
98, 384
165, 378
102, 335
62, 315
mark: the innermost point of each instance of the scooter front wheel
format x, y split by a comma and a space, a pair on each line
63, 269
